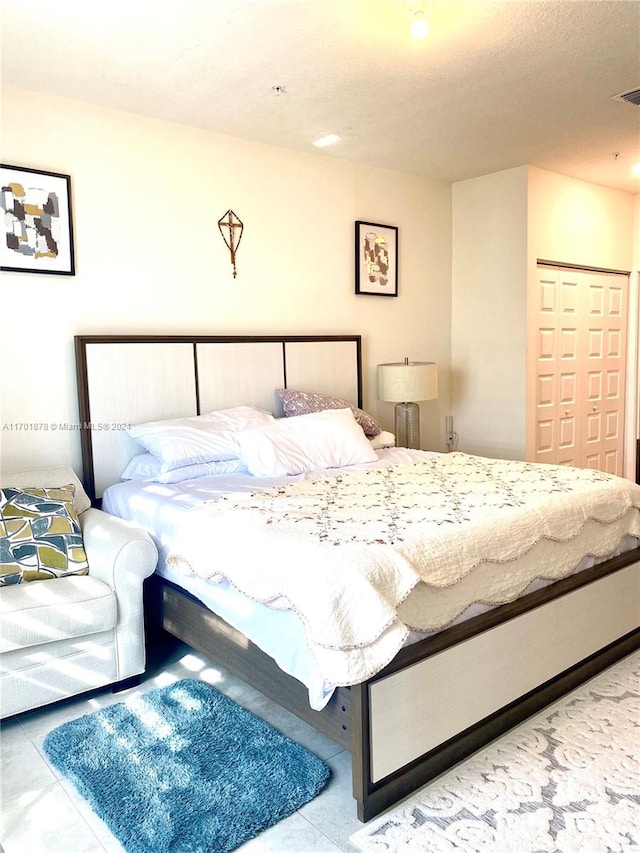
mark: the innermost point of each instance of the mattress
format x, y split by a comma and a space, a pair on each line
163, 510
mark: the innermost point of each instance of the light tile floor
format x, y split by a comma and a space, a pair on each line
42, 813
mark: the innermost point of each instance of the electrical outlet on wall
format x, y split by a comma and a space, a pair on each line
450, 436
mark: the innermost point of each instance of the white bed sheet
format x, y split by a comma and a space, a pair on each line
161, 510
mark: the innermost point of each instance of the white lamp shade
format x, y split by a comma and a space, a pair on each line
408, 382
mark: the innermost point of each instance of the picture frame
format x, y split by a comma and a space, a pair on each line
376, 253
38, 227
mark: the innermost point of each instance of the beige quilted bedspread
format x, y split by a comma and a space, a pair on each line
364, 557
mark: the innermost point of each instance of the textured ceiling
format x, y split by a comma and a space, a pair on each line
495, 85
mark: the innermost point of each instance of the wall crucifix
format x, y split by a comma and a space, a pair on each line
231, 229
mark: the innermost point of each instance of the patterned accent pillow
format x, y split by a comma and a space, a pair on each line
40, 535
304, 402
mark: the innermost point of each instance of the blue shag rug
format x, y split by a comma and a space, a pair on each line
183, 768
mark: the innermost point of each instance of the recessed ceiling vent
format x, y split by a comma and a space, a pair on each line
631, 97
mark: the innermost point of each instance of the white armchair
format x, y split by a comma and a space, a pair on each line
65, 636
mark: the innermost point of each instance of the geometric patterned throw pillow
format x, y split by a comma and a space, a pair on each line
40, 535
304, 402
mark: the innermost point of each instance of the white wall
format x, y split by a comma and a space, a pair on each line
489, 313
502, 225
147, 195
578, 223
585, 224
636, 231
634, 305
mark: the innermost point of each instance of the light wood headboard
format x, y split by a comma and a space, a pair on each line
129, 379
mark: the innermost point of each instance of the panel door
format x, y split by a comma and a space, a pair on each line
558, 360
601, 418
580, 368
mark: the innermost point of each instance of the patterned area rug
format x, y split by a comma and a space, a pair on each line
183, 768
565, 781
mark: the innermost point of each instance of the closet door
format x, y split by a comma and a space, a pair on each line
557, 369
580, 368
602, 415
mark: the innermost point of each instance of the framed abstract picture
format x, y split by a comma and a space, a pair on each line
38, 230
376, 259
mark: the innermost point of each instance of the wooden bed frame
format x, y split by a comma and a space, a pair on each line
440, 699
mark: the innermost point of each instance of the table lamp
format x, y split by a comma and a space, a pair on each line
406, 383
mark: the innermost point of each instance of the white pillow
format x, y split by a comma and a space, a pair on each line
328, 439
146, 468
202, 438
383, 439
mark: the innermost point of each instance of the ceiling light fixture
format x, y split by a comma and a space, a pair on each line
419, 27
326, 140
635, 168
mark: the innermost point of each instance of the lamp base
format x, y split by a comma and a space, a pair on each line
408, 425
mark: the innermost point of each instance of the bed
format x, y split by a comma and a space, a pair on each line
439, 694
